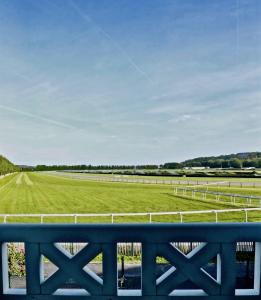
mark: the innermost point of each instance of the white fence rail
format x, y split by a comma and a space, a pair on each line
150, 215
248, 199
129, 179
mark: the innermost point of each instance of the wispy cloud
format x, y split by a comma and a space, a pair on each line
130, 60
185, 118
253, 130
22, 76
37, 117
209, 90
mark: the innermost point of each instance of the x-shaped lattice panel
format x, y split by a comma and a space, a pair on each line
72, 267
188, 268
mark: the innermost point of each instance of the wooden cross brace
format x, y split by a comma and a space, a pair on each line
188, 267
72, 267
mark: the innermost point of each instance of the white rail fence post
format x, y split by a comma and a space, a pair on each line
75, 219
216, 214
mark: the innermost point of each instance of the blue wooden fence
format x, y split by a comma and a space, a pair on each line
216, 240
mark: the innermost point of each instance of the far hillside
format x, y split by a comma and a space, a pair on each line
6, 166
237, 161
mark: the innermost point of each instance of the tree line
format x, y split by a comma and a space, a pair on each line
91, 167
237, 161
6, 166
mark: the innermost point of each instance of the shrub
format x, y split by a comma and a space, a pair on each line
16, 261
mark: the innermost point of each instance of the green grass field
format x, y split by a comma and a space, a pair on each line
24, 193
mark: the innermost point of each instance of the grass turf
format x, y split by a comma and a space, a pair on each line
41, 193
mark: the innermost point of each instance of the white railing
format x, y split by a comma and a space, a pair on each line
186, 191
171, 181
150, 215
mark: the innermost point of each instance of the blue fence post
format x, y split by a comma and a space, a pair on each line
109, 263
33, 268
228, 269
148, 269
1, 269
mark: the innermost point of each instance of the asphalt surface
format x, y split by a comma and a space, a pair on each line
132, 275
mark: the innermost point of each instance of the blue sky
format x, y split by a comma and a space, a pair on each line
126, 81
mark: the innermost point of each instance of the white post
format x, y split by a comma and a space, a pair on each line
41, 219
181, 217
5, 219
216, 216
112, 218
246, 215
257, 264
5, 268
150, 218
75, 219
42, 269
219, 269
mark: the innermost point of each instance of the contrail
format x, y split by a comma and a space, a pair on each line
109, 37
24, 77
37, 117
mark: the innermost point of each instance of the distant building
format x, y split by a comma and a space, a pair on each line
196, 168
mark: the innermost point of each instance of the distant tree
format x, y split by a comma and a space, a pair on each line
235, 163
172, 165
6, 166
219, 163
258, 163
250, 163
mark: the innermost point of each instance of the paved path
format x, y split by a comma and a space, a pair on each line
133, 273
